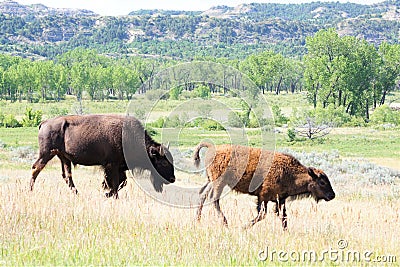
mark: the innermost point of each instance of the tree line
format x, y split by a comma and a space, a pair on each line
350, 73
345, 72
72, 73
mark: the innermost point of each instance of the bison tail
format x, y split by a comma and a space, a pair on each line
196, 154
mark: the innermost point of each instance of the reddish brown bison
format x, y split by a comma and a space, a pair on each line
271, 176
117, 143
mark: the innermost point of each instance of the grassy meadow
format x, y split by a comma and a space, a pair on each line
52, 226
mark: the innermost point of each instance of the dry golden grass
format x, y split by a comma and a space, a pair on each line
51, 226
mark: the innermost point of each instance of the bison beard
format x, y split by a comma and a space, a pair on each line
117, 143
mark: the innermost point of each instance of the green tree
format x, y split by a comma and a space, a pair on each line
388, 71
259, 69
60, 82
361, 74
341, 71
324, 65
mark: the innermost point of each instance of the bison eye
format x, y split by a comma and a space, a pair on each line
164, 163
321, 182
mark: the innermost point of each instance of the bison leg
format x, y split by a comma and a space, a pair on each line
221, 214
38, 166
204, 191
66, 165
122, 179
112, 180
216, 194
63, 171
282, 209
261, 212
104, 184
276, 210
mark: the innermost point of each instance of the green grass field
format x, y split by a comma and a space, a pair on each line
51, 226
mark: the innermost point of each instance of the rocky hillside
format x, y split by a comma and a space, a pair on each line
222, 31
13, 8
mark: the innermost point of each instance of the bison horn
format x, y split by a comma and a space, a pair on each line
162, 151
311, 172
167, 145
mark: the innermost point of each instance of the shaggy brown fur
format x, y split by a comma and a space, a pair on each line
271, 176
117, 143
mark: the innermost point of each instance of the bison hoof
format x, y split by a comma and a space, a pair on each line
246, 227
111, 194
249, 225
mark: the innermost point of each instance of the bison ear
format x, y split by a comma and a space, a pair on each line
153, 151
311, 172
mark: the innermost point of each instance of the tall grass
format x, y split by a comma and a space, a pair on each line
51, 226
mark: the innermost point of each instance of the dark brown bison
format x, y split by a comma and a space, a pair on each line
271, 176
117, 143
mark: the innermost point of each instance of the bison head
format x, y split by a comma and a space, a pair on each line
162, 162
320, 187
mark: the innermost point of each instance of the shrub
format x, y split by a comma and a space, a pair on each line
201, 91
279, 118
159, 123
212, 125
23, 154
257, 119
206, 124
169, 122
2, 116
194, 123
56, 111
10, 121
291, 133
355, 122
175, 92
31, 118
331, 115
185, 95
384, 114
173, 121
253, 122
235, 120
157, 94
